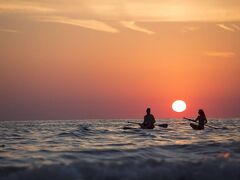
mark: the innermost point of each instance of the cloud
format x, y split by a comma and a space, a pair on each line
227, 28
132, 25
131, 10
220, 54
9, 30
236, 26
24, 8
90, 24
165, 10
189, 29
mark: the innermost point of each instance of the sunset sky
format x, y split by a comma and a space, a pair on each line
77, 59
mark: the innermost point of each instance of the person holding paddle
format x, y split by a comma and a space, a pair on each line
149, 120
201, 119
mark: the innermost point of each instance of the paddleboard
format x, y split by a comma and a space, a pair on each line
195, 126
126, 127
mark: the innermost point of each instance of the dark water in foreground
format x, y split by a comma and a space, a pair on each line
101, 149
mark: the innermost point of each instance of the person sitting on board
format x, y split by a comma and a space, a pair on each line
201, 119
149, 120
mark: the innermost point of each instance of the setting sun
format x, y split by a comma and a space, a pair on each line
179, 106
92, 82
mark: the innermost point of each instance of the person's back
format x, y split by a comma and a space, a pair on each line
149, 120
202, 120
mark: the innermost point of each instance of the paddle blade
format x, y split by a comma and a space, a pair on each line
163, 125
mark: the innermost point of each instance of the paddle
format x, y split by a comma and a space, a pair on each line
205, 124
160, 125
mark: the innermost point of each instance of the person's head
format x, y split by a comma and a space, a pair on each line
201, 112
148, 110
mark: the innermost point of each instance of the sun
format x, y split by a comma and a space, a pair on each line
179, 106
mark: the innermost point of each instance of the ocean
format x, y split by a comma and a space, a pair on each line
102, 149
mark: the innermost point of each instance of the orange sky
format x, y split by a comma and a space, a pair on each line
86, 59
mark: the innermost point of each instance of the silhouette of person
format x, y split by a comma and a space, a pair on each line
149, 120
201, 119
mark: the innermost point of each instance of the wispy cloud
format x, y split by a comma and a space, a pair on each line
131, 10
236, 26
220, 54
90, 24
24, 8
189, 29
132, 25
227, 28
9, 30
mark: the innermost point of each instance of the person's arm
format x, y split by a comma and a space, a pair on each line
189, 119
153, 119
144, 121
205, 121
197, 119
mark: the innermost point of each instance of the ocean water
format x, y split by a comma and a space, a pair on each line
102, 149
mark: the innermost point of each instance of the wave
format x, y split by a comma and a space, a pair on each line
82, 130
148, 169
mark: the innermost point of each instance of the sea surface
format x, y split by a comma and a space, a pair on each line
102, 149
